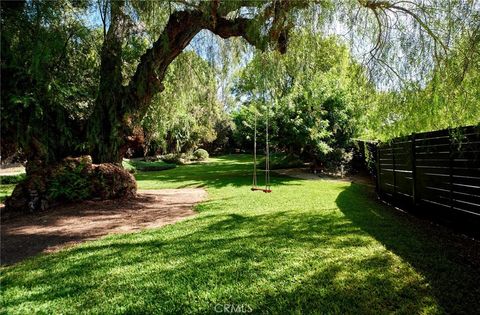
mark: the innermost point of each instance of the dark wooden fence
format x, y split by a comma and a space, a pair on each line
434, 173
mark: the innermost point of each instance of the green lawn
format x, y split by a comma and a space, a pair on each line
7, 184
5, 191
309, 247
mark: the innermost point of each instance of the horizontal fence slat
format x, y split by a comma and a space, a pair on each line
456, 163
460, 195
466, 207
432, 134
466, 180
466, 171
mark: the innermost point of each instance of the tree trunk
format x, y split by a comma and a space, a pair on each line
107, 126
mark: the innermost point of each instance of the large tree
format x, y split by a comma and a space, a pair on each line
118, 106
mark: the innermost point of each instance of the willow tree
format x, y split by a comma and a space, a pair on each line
122, 100
183, 117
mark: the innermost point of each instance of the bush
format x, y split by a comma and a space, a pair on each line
281, 161
337, 160
129, 166
171, 158
133, 166
109, 181
200, 154
70, 185
11, 179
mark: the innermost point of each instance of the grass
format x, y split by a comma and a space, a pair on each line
6, 190
308, 247
7, 184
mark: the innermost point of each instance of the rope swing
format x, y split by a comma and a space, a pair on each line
255, 186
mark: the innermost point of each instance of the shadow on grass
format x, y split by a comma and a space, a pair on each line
449, 263
284, 262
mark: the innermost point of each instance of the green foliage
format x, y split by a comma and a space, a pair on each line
5, 191
309, 246
11, 179
201, 155
151, 166
185, 115
70, 185
370, 158
449, 98
281, 161
146, 166
129, 166
171, 158
50, 58
312, 97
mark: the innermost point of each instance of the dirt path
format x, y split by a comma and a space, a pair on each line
25, 236
12, 169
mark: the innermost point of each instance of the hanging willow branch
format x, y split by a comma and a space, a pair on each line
182, 26
381, 10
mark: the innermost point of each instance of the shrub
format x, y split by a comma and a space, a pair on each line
70, 185
155, 166
185, 158
200, 154
281, 161
110, 181
133, 166
170, 158
12, 179
129, 166
338, 160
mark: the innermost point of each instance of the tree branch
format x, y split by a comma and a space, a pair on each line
376, 5
181, 27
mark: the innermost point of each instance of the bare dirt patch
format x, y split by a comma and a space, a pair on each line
28, 235
11, 169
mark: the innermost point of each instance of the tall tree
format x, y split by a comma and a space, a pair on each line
118, 107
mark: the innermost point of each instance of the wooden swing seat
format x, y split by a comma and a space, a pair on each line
261, 189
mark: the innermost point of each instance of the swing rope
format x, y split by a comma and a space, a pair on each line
267, 152
254, 184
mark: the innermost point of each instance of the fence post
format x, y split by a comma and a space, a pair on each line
377, 164
450, 167
414, 171
393, 172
